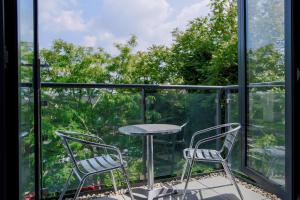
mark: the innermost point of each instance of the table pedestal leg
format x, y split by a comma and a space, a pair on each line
150, 193
150, 162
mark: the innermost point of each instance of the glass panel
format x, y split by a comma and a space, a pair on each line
266, 101
266, 145
178, 107
103, 111
231, 116
97, 111
26, 100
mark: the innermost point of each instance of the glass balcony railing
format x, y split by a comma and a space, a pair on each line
266, 132
102, 108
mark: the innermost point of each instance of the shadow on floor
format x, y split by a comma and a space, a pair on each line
223, 197
190, 196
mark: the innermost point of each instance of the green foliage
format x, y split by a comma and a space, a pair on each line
206, 52
74, 64
26, 52
266, 65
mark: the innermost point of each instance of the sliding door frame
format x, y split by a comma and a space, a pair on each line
10, 101
2, 94
37, 104
289, 103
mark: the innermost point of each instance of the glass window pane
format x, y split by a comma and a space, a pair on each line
26, 100
266, 92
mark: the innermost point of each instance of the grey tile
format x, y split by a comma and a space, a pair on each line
212, 188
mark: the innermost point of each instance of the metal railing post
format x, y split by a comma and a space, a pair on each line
143, 104
143, 117
228, 114
218, 115
228, 106
218, 119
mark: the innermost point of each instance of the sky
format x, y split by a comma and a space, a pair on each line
101, 23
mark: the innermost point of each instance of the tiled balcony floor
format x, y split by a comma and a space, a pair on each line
209, 188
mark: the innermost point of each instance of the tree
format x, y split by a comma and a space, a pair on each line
206, 52
74, 64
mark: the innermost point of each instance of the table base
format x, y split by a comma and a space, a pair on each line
143, 193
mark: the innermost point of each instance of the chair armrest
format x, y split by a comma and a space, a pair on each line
92, 136
97, 145
202, 142
205, 140
208, 130
215, 137
74, 134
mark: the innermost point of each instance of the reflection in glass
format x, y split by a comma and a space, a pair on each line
26, 134
266, 113
231, 116
266, 145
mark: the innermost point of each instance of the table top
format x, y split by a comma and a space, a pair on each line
149, 129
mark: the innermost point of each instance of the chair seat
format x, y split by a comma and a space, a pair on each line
203, 154
100, 163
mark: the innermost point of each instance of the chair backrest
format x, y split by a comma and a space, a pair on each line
70, 136
65, 137
232, 130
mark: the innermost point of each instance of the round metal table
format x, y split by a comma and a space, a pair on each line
149, 130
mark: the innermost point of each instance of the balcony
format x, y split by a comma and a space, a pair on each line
102, 108
209, 186
54, 53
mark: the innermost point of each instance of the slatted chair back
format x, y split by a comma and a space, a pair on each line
68, 136
65, 142
231, 135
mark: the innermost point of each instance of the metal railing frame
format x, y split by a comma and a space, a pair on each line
223, 94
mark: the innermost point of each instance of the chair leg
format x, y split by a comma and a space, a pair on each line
188, 178
114, 181
229, 174
79, 188
65, 186
184, 170
270, 169
127, 182
173, 154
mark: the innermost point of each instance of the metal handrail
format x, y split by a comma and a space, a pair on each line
149, 86
127, 86
144, 87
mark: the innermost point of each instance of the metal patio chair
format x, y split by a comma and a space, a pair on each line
193, 153
96, 164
